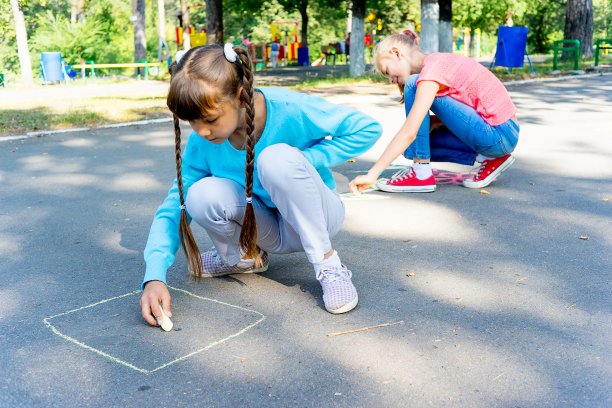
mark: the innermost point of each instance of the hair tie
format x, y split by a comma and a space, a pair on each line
230, 54
182, 206
249, 200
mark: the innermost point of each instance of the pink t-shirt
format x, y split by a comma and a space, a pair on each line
470, 83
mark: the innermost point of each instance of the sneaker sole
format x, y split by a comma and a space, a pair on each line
491, 177
412, 189
346, 308
256, 270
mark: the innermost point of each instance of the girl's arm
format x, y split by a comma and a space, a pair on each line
163, 241
337, 132
425, 94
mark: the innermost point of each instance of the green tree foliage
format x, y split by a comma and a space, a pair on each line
75, 41
395, 15
602, 19
9, 60
545, 19
106, 33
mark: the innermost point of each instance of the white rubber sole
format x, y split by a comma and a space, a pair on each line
382, 185
254, 270
491, 177
346, 308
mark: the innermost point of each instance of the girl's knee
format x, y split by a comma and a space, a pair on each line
208, 195
275, 162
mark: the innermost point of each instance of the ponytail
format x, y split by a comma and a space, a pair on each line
248, 233
192, 252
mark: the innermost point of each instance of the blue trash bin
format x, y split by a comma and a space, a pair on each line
303, 58
511, 46
52, 66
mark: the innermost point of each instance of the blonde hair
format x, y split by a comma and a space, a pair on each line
201, 81
383, 50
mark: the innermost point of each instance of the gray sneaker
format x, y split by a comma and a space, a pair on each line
339, 293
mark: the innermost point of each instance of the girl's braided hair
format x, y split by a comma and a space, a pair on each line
201, 80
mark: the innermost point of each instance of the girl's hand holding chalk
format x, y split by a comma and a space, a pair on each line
360, 183
154, 293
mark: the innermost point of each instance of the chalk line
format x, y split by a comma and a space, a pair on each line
133, 367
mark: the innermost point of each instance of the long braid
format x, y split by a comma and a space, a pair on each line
248, 233
192, 252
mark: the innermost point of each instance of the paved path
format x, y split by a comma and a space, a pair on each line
507, 305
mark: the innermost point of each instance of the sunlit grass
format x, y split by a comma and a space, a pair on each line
37, 115
368, 78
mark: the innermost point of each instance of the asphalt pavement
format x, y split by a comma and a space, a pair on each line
500, 298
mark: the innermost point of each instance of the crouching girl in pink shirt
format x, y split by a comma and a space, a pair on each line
465, 97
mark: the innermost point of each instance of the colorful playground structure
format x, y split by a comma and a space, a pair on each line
260, 53
288, 46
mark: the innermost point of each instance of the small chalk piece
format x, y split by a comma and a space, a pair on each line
166, 322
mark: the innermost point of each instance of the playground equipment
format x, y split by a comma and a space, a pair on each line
558, 46
464, 40
372, 26
604, 44
197, 36
52, 68
289, 45
511, 48
258, 55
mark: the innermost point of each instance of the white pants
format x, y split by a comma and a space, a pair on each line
307, 212
273, 58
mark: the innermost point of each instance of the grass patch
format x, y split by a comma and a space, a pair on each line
544, 68
23, 117
369, 78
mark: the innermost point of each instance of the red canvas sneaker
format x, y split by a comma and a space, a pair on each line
488, 171
408, 183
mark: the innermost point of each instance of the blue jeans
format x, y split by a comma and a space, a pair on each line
466, 132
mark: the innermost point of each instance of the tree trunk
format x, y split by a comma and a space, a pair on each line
80, 10
445, 29
22, 43
214, 22
161, 27
540, 36
185, 26
579, 25
472, 41
430, 13
73, 12
357, 47
304, 13
140, 40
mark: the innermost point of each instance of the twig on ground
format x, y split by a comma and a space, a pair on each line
364, 329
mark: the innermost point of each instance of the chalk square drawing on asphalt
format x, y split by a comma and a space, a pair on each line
114, 329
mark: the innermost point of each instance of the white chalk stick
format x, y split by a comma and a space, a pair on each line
166, 322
